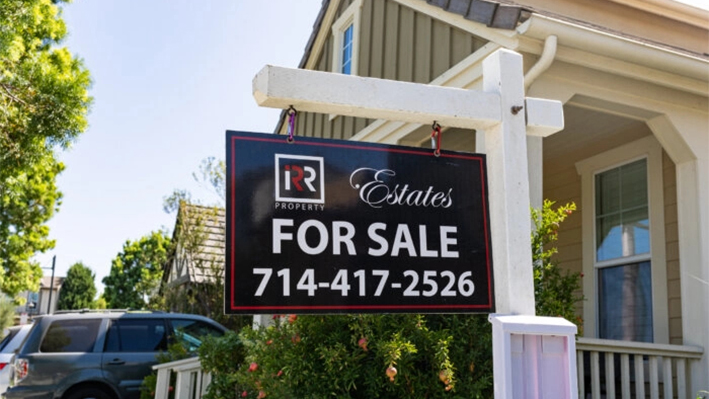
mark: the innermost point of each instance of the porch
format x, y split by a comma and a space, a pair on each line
606, 369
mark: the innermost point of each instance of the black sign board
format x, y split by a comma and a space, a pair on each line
331, 226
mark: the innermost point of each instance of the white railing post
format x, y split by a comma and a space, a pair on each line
185, 386
660, 376
163, 383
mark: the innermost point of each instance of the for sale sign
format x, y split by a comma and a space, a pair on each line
328, 226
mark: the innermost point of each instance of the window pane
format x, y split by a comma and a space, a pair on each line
347, 50
608, 192
609, 238
636, 232
136, 335
191, 332
71, 336
634, 185
622, 222
625, 302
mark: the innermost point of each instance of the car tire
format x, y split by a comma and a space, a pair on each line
89, 393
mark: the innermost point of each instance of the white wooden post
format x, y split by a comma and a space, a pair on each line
508, 186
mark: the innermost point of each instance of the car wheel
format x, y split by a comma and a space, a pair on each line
89, 393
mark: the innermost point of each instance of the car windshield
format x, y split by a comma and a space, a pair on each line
192, 332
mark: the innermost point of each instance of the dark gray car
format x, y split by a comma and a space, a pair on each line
102, 355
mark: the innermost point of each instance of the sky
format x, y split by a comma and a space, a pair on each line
169, 78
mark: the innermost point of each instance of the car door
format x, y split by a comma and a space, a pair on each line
132, 345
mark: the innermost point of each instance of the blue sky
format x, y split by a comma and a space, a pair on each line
170, 77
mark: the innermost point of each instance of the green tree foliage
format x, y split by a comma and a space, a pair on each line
136, 272
382, 356
43, 89
27, 201
101, 302
43, 105
7, 312
557, 293
79, 289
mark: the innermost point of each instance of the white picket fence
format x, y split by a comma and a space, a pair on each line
621, 369
190, 383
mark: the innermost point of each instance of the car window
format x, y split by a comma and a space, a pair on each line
70, 336
136, 335
10, 334
191, 332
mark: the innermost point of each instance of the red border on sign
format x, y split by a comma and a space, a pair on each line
279, 139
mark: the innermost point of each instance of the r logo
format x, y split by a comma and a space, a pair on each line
300, 178
298, 175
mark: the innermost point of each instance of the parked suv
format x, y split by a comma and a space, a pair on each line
99, 354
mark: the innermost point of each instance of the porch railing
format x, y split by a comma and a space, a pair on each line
622, 369
190, 381
606, 369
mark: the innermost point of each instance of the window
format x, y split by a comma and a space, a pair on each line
622, 233
191, 332
71, 336
347, 51
136, 335
345, 38
624, 243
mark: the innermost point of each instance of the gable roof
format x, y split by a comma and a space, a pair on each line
200, 239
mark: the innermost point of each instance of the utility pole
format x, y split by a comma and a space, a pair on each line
51, 285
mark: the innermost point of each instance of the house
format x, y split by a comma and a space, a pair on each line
44, 301
194, 271
633, 77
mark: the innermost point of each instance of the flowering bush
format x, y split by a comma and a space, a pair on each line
395, 356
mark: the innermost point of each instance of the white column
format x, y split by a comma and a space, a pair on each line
508, 186
693, 217
535, 168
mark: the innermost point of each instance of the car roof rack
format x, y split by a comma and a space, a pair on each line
129, 310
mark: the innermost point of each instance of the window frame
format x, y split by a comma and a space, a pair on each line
351, 16
651, 150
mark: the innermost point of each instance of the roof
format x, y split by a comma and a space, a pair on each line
46, 282
494, 14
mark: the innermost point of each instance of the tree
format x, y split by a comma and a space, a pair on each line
27, 201
136, 272
211, 175
383, 356
78, 290
43, 89
7, 312
43, 105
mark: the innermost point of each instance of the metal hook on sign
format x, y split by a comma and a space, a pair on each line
292, 113
436, 139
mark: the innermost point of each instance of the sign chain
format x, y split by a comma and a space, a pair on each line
436, 139
292, 113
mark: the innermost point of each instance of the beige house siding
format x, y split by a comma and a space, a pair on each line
396, 43
562, 184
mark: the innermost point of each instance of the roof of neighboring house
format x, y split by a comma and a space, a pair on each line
46, 282
200, 238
